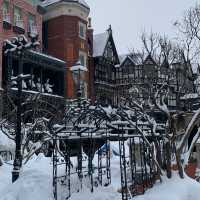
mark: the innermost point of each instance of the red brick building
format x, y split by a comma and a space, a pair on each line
66, 36
18, 17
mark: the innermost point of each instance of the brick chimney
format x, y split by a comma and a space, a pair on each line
90, 33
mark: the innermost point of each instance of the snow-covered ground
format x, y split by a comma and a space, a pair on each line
35, 183
173, 189
6, 143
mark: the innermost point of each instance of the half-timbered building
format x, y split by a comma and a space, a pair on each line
105, 59
145, 77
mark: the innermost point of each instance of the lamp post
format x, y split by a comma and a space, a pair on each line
19, 44
78, 73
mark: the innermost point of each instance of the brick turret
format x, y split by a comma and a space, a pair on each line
66, 36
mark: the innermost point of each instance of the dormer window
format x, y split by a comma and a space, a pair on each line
6, 13
18, 18
82, 30
32, 28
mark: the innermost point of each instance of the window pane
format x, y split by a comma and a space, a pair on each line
18, 17
82, 30
82, 60
32, 24
6, 14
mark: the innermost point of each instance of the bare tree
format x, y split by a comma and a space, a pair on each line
36, 116
176, 142
161, 48
150, 43
189, 33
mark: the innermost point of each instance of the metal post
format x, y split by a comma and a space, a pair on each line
55, 160
18, 157
18, 136
100, 167
108, 172
79, 157
90, 156
124, 186
68, 169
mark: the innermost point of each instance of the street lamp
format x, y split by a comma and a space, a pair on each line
78, 73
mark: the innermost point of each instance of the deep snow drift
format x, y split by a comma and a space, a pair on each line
35, 183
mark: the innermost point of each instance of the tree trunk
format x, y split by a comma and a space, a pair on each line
168, 159
1, 161
158, 153
179, 165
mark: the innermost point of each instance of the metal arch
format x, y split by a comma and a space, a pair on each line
87, 125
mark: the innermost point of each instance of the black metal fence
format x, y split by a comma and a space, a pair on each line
88, 160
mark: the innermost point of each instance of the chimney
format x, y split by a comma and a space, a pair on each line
90, 37
89, 22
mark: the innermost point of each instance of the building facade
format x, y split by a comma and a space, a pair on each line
145, 77
105, 58
68, 35
18, 17
116, 76
23, 19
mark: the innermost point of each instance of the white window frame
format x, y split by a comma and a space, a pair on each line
84, 30
6, 12
18, 18
32, 23
84, 54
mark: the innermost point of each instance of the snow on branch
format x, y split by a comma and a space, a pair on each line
163, 107
188, 153
194, 121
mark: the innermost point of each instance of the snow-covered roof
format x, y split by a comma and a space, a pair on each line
135, 58
47, 56
190, 96
99, 43
78, 66
122, 57
50, 2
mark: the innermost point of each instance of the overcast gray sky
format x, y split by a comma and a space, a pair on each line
130, 17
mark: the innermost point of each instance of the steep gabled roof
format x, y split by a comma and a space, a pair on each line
149, 60
124, 60
99, 43
122, 57
50, 2
165, 63
135, 58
